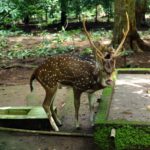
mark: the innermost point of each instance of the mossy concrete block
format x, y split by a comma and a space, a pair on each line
129, 134
22, 112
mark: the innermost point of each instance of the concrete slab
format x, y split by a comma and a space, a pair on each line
131, 98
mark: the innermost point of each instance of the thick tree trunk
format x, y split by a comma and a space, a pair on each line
63, 17
141, 8
64, 8
26, 20
133, 40
46, 15
77, 7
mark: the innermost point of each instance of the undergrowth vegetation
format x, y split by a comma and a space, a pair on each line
48, 46
52, 43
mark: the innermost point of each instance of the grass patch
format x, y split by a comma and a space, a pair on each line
104, 105
128, 137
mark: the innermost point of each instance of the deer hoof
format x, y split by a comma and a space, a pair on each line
59, 124
57, 130
78, 128
93, 126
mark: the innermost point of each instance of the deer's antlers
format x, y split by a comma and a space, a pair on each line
125, 33
96, 50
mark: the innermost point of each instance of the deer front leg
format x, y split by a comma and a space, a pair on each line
92, 99
50, 93
77, 95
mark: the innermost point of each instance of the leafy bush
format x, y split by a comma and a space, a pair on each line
36, 52
3, 43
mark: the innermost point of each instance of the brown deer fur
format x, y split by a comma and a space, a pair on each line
81, 75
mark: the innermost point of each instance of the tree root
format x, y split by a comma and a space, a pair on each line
143, 45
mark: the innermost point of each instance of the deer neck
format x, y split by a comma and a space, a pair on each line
98, 73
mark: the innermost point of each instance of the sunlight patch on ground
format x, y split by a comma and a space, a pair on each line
131, 99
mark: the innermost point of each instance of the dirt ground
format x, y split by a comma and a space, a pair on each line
21, 141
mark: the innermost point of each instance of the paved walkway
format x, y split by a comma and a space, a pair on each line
131, 99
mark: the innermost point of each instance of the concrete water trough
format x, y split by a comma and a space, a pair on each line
28, 128
24, 118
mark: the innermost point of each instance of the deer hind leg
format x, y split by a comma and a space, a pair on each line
77, 95
57, 120
50, 93
92, 98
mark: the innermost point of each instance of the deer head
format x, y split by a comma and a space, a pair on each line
105, 57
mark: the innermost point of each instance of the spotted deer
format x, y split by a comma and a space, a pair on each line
81, 75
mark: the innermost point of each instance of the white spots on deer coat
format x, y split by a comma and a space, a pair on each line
66, 69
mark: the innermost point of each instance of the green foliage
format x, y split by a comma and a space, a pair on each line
14, 10
101, 137
40, 11
38, 52
127, 137
47, 47
7, 33
43, 50
101, 115
86, 52
130, 138
127, 52
3, 43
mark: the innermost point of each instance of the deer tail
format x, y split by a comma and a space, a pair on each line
31, 80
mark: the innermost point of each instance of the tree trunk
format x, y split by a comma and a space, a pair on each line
141, 8
133, 40
77, 6
46, 16
26, 20
64, 8
96, 13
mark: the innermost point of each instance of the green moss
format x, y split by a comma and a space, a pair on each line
130, 138
133, 70
127, 137
104, 105
102, 138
